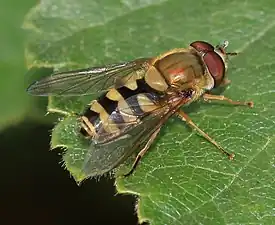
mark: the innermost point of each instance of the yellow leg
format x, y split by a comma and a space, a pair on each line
142, 152
207, 97
182, 115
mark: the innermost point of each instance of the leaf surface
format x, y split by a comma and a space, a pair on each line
15, 103
183, 179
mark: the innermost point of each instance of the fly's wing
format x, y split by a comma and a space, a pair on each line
110, 150
88, 81
102, 158
131, 114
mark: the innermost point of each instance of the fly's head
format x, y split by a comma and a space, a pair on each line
215, 59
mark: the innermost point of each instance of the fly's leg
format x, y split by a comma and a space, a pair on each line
207, 97
142, 152
182, 115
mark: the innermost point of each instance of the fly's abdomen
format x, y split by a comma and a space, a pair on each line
119, 109
96, 120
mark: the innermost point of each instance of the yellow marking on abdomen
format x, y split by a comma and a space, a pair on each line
145, 103
88, 126
126, 112
108, 125
130, 81
114, 95
131, 85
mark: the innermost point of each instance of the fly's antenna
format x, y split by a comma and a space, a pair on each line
232, 53
224, 44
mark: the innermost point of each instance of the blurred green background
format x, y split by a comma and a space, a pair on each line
35, 189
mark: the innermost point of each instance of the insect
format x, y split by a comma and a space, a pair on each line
138, 97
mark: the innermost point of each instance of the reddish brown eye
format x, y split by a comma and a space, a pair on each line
215, 66
202, 46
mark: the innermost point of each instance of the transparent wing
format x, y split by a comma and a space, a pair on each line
87, 81
103, 157
130, 113
111, 149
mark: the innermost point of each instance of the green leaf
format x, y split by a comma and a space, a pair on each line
183, 179
15, 103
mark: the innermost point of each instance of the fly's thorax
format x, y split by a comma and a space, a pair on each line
179, 69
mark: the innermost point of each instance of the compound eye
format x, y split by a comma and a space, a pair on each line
202, 46
215, 67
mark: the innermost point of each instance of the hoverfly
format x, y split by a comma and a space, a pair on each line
138, 97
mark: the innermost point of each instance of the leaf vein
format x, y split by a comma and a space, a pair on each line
235, 177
